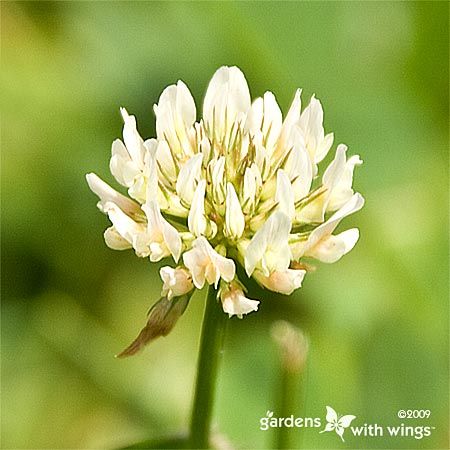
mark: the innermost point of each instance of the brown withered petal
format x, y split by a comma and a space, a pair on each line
302, 266
162, 317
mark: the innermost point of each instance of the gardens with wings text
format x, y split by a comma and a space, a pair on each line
340, 423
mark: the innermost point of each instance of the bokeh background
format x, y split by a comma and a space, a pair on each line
377, 321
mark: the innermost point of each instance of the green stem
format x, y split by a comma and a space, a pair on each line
289, 394
211, 343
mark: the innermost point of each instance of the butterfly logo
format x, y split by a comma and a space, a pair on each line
337, 423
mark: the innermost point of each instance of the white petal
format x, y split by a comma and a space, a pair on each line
336, 179
218, 180
311, 122
324, 147
334, 171
234, 218
185, 104
175, 116
197, 221
291, 122
121, 166
255, 116
225, 266
165, 161
251, 186
256, 249
132, 139
293, 115
285, 195
314, 211
352, 206
124, 225
172, 240
162, 233
300, 171
234, 302
265, 116
115, 241
177, 281
107, 194
188, 178
138, 189
196, 261
205, 263
332, 248
285, 282
204, 147
142, 245
342, 190
151, 146
272, 120
262, 158
328, 249
269, 246
311, 118
151, 169
178, 100
279, 229
227, 97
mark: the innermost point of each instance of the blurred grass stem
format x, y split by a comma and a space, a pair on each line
293, 352
289, 391
211, 344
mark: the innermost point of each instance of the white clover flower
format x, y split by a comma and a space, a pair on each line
234, 301
177, 281
239, 186
282, 281
205, 264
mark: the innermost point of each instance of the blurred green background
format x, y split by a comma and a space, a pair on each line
377, 320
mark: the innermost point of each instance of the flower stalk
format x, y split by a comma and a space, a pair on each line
211, 344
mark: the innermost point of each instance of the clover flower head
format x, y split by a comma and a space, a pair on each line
239, 186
